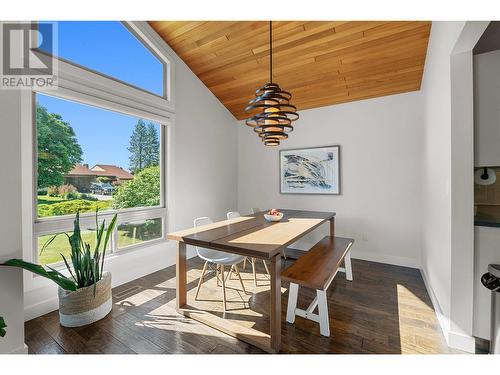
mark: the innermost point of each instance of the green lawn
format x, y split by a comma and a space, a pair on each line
52, 253
128, 234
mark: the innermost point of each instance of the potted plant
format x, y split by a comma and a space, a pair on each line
85, 295
2, 327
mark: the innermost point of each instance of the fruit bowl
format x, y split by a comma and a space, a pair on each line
276, 217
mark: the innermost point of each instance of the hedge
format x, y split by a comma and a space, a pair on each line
72, 207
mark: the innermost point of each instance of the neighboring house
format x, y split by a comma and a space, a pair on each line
117, 175
81, 176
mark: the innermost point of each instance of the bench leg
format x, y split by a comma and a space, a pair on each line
348, 266
324, 325
293, 292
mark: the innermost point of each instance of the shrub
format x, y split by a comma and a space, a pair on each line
65, 189
87, 197
53, 191
70, 195
42, 191
142, 191
71, 207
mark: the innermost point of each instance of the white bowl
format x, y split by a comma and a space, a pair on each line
274, 217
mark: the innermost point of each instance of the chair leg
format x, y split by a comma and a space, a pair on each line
228, 277
217, 271
254, 273
348, 266
201, 280
324, 324
265, 266
223, 286
239, 276
293, 292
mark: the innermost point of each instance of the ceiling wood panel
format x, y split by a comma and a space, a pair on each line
320, 63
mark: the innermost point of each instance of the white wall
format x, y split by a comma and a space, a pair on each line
381, 164
436, 249
447, 252
201, 164
436, 233
11, 280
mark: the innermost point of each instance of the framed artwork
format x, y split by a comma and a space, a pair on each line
310, 170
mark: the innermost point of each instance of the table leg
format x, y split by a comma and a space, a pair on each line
332, 226
275, 315
181, 271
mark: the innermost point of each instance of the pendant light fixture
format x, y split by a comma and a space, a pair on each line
275, 114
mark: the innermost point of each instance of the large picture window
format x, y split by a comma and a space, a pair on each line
99, 152
108, 47
92, 159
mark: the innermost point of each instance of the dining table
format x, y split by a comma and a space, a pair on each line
252, 236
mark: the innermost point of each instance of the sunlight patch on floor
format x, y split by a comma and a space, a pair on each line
421, 336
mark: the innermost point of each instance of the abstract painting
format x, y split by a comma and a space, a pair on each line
310, 170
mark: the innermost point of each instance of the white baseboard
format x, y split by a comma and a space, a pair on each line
462, 342
453, 339
388, 259
153, 259
40, 308
22, 350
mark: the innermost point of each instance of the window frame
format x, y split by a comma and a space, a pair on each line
140, 34
87, 87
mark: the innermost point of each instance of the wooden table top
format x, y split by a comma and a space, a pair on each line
252, 235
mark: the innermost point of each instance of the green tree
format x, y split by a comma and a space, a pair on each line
144, 147
142, 191
58, 148
152, 146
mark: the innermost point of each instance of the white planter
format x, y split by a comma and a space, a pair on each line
82, 307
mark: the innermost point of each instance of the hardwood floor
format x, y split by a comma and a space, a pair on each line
386, 309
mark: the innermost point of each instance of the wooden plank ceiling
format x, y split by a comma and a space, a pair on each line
320, 63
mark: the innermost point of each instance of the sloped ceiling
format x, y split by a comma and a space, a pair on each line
320, 63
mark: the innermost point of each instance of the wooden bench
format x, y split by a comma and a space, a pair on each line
316, 269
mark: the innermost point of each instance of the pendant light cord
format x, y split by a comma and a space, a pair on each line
270, 51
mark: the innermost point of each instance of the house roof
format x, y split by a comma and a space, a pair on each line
111, 170
81, 170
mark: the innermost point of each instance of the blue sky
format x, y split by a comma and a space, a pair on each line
109, 48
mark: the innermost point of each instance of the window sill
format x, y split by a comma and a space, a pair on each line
61, 267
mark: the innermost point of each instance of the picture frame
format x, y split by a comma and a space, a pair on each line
311, 170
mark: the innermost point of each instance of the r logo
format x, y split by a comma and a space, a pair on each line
20, 43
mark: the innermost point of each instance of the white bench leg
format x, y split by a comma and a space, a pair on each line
293, 292
324, 324
348, 266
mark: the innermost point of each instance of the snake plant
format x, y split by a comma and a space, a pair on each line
87, 265
2, 327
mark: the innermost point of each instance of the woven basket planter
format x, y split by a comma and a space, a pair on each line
81, 307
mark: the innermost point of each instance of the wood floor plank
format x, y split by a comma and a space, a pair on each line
386, 309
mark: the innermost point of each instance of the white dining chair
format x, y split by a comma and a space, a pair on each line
232, 215
220, 259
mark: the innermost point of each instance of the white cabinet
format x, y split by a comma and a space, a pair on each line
487, 109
